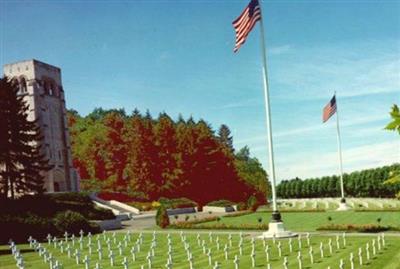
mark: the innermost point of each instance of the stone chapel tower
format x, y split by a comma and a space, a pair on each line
42, 86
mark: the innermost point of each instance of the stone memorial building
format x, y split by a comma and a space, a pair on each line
41, 84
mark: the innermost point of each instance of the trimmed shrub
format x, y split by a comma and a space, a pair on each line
252, 203
162, 219
221, 203
71, 221
20, 227
363, 228
177, 203
241, 206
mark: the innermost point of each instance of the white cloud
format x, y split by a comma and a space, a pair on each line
279, 50
356, 158
350, 69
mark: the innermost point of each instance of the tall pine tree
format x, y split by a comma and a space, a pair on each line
21, 162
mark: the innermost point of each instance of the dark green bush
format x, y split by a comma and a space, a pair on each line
162, 219
48, 205
252, 203
362, 228
177, 203
71, 221
241, 206
221, 203
19, 228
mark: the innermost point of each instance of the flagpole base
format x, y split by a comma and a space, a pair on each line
343, 206
276, 228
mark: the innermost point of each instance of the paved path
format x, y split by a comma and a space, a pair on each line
147, 220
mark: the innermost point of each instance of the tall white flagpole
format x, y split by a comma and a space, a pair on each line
275, 226
275, 215
339, 151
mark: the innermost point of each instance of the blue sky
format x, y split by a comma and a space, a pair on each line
176, 56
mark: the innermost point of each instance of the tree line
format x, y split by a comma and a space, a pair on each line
149, 158
364, 183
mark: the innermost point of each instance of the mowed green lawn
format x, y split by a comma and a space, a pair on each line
387, 258
310, 221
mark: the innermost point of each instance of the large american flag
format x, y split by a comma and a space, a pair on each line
329, 109
245, 22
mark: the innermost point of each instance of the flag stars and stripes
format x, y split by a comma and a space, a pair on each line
329, 109
245, 23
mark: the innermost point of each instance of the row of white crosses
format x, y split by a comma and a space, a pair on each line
74, 247
380, 243
17, 255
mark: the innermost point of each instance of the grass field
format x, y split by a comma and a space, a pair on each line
310, 221
387, 258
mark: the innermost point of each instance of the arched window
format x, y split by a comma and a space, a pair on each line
22, 85
14, 82
51, 89
46, 87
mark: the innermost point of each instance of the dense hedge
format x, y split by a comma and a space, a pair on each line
51, 213
363, 228
221, 203
20, 227
177, 203
49, 205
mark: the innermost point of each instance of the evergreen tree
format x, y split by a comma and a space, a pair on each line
21, 158
225, 138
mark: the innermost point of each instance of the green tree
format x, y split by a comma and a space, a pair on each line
225, 137
251, 171
21, 157
394, 125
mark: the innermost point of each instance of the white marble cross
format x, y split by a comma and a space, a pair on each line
267, 252
285, 262
253, 259
77, 256
86, 260
351, 260
337, 242
111, 256
209, 255
66, 236
279, 249
321, 249
360, 257
341, 264
311, 252
299, 260
378, 240
299, 241
373, 247
49, 238
236, 262
344, 239
125, 263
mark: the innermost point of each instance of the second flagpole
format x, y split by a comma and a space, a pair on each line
342, 205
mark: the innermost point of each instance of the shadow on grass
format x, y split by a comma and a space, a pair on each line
8, 252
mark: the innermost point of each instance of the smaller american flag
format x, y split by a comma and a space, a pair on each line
245, 22
329, 109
